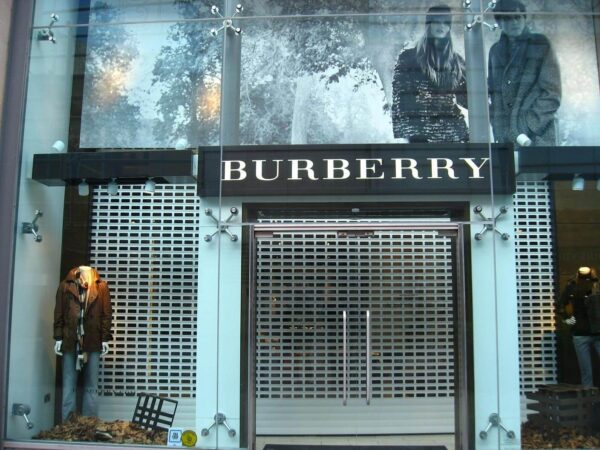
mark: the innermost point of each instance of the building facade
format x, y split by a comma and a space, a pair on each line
282, 224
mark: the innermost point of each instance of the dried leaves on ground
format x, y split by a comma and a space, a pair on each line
540, 436
92, 429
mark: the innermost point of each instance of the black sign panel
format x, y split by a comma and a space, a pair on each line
356, 169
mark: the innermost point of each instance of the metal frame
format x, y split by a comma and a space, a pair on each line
10, 144
463, 392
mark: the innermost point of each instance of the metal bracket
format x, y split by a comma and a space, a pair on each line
46, 34
227, 21
488, 226
494, 421
222, 227
478, 19
219, 419
21, 409
32, 227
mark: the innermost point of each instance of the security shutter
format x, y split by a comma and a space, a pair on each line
535, 284
146, 247
306, 281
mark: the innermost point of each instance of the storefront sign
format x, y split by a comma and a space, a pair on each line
356, 169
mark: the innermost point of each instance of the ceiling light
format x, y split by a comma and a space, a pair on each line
113, 187
578, 183
150, 186
83, 189
181, 144
58, 146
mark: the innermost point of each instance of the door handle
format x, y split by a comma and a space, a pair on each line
345, 362
368, 357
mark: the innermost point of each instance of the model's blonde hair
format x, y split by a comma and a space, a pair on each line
444, 68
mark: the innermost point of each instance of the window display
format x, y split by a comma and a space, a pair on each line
578, 307
82, 331
303, 221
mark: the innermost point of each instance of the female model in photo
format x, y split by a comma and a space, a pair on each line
429, 84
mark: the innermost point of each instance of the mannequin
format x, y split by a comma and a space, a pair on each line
578, 309
82, 330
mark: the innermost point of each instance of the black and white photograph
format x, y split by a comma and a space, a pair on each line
346, 79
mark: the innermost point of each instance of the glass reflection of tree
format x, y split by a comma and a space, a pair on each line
109, 117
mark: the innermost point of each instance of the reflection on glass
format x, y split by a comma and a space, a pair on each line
152, 85
330, 79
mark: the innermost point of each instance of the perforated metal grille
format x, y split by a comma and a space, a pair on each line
535, 284
305, 282
146, 247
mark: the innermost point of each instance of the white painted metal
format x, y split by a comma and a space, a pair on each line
307, 282
146, 247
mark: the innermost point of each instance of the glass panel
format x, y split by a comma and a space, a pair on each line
129, 215
142, 88
543, 100
280, 8
340, 80
59, 13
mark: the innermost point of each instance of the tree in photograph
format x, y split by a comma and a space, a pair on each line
314, 42
188, 74
109, 117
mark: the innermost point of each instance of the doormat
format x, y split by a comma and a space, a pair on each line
352, 447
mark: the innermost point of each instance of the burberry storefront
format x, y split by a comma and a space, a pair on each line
300, 225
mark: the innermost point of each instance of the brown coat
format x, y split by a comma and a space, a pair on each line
97, 317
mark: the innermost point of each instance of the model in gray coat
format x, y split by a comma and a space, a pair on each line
523, 81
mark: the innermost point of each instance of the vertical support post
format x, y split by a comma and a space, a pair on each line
230, 83
479, 129
11, 136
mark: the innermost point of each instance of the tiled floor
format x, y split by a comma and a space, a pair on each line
436, 439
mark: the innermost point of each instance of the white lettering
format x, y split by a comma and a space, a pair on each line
228, 169
308, 164
474, 166
259, 169
364, 168
332, 169
435, 168
412, 166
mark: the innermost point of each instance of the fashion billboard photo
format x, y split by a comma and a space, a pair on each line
381, 73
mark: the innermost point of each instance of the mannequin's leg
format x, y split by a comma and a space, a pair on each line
583, 349
69, 384
90, 385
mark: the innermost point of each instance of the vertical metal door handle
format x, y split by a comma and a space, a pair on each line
345, 362
368, 357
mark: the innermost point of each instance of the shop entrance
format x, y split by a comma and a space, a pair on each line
359, 330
